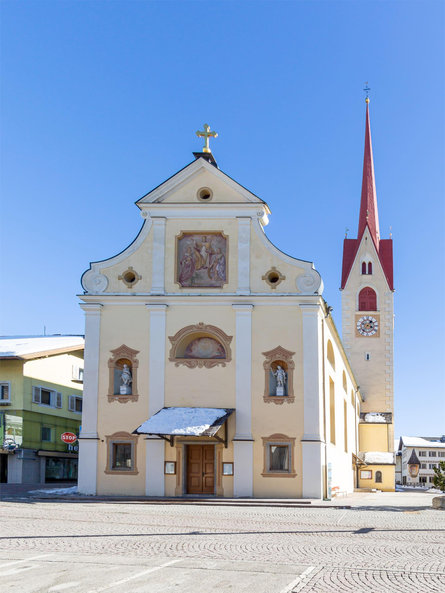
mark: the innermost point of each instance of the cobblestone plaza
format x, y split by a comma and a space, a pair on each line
136, 547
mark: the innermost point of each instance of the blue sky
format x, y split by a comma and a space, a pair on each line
101, 101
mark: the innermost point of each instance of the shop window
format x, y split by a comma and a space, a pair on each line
367, 299
378, 477
5, 392
121, 453
279, 376
59, 469
46, 397
200, 345
278, 456
75, 403
123, 366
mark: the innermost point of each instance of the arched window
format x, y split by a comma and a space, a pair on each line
370, 267
367, 299
330, 353
378, 476
364, 267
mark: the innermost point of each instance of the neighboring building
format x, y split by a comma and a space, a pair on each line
40, 399
426, 452
212, 362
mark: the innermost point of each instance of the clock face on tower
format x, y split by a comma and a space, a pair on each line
367, 325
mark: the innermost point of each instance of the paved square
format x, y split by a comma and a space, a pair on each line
90, 547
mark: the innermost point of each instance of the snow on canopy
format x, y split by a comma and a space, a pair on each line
182, 421
375, 417
378, 457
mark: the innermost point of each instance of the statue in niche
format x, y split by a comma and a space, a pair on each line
126, 380
280, 377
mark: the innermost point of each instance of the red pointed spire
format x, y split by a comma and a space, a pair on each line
369, 215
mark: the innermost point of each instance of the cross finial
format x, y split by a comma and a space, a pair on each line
206, 134
367, 89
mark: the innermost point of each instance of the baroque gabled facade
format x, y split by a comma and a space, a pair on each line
212, 363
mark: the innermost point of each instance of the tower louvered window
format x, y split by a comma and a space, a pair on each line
367, 300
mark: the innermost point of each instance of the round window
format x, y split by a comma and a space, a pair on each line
130, 277
204, 194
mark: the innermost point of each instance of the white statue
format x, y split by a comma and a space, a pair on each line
126, 380
281, 378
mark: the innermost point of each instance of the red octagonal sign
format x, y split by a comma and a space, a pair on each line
68, 437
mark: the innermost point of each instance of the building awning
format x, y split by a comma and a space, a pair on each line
196, 422
43, 453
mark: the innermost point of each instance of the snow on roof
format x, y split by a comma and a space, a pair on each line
378, 457
183, 421
28, 346
375, 417
421, 442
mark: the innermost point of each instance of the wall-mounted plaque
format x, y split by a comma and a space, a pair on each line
201, 259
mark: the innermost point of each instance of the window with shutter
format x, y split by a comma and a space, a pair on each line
71, 403
58, 400
36, 395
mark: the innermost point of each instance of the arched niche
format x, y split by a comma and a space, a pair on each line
279, 356
124, 355
200, 346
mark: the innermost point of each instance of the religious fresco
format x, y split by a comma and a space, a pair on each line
204, 348
201, 259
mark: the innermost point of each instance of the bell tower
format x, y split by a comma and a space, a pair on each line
367, 314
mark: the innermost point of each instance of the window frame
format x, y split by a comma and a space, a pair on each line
75, 398
56, 397
51, 433
278, 440
2, 385
121, 438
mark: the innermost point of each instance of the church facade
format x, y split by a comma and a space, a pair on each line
212, 362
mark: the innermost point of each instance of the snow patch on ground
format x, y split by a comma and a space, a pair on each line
60, 491
183, 421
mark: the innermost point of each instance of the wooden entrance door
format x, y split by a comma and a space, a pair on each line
200, 469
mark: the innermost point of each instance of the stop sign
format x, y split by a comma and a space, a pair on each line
68, 437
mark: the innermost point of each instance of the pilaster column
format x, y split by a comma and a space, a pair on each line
313, 439
243, 256
154, 460
88, 439
243, 441
158, 259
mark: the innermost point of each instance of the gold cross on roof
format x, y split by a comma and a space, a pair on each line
206, 134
